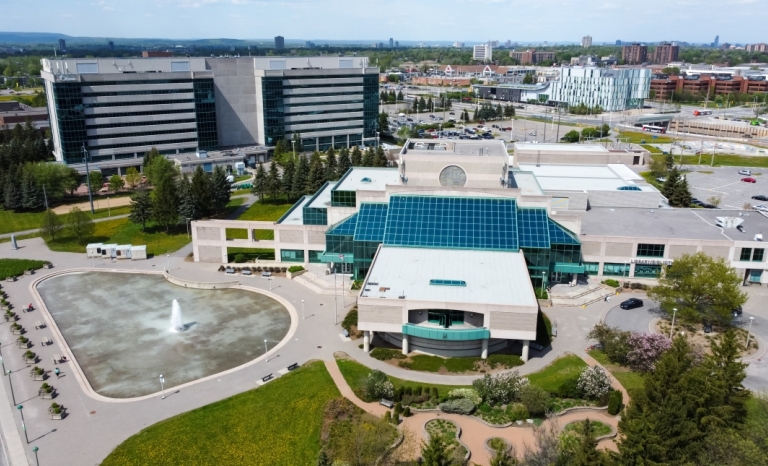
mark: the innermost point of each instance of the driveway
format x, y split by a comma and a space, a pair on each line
632, 320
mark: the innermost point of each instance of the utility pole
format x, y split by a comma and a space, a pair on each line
88, 178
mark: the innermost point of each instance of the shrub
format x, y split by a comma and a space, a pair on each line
535, 399
408, 391
396, 418
570, 389
646, 350
407, 411
399, 394
468, 393
388, 416
433, 392
29, 355
517, 412
221, 268
239, 258
56, 408
258, 268
295, 268
594, 382
499, 388
613, 283
283, 269
350, 320
384, 354
377, 385
615, 402
614, 341
458, 406
398, 408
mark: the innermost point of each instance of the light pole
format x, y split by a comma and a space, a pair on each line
37, 462
543, 279
266, 350
88, 178
672, 329
10, 382
293, 143
377, 139
624, 273
302, 310
3, 363
169, 262
23, 426
188, 219
749, 332
162, 387
109, 211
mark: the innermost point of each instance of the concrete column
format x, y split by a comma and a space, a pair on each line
484, 352
366, 341
405, 345
524, 356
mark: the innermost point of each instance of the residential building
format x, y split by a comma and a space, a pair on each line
762, 47
155, 54
666, 52
62, 45
531, 57
309, 44
458, 45
279, 42
710, 84
111, 45
585, 60
391, 43
586, 41
482, 52
634, 54
120, 108
618, 42
397, 44
610, 89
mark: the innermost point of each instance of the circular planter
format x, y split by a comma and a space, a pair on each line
490, 450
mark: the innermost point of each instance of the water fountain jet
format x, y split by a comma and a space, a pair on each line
177, 323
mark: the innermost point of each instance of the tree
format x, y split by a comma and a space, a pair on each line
96, 180
368, 157
71, 181
31, 194
344, 162
132, 177
141, 208
331, 166
298, 147
316, 175
323, 460
700, 287
187, 206
202, 193
528, 78
116, 183
669, 187
422, 104
380, 157
400, 96
594, 382
273, 184
586, 453
220, 189
383, 125
509, 111
435, 453
259, 188
52, 224
300, 176
714, 200
165, 200
357, 157
80, 224
286, 181
149, 156
646, 350
681, 196
571, 136
669, 161
158, 167
502, 457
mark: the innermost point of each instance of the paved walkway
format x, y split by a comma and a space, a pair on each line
98, 203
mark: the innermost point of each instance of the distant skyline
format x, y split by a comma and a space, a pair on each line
735, 21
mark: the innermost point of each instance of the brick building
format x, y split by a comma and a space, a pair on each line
530, 57
634, 54
663, 85
666, 52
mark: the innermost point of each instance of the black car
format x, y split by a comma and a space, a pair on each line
631, 303
707, 206
737, 311
760, 197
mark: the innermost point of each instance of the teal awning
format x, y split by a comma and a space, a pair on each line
566, 267
446, 333
334, 257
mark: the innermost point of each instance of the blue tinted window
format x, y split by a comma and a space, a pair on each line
559, 235
372, 218
345, 227
533, 230
443, 282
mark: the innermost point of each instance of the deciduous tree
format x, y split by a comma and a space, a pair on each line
116, 183
132, 177
80, 225
141, 208
96, 180
52, 224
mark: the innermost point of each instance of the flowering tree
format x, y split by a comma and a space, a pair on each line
377, 385
468, 393
500, 388
646, 350
594, 382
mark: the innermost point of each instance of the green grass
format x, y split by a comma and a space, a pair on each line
422, 362
22, 221
637, 138
355, 374
599, 428
630, 380
251, 254
726, 160
267, 212
240, 178
651, 149
551, 377
277, 424
16, 267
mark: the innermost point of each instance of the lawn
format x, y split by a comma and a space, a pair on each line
551, 377
631, 381
267, 212
277, 424
16, 267
22, 221
599, 428
355, 374
638, 138
651, 149
423, 362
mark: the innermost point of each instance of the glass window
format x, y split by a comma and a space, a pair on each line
315, 257
613, 269
343, 198
292, 255
445, 318
650, 250
532, 228
372, 218
647, 271
591, 268
746, 254
757, 255
755, 275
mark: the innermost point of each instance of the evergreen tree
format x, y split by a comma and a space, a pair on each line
681, 196
357, 157
141, 208
380, 158
80, 225
727, 373
221, 190
435, 453
187, 205
670, 185
165, 201
331, 167
669, 161
368, 157
316, 176
51, 225
149, 156
286, 181
422, 104
430, 104
32, 194
415, 104
273, 181
259, 188
300, 176
323, 459
344, 162
298, 147
202, 193
400, 96
280, 151
586, 453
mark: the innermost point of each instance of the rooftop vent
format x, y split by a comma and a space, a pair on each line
759, 237
444, 282
365, 180
730, 222
201, 154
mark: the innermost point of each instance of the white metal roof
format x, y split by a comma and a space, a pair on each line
492, 277
553, 147
379, 179
296, 217
323, 200
586, 177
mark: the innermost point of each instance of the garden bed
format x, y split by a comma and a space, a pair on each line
702, 341
600, 429
450, 433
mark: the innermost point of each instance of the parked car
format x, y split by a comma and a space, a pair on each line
661, 179
745, 172
532, 133
494, 126
760, 197
631, 303
737, 311
749, 179
451, 113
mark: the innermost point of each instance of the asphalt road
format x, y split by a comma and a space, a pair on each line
632, 320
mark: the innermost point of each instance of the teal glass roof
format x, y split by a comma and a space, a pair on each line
559, 235
371, 220
443, 282
533, 230
345, 227
452, 222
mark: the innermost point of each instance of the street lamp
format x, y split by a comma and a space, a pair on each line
266, 350
10, 382
162, 387
672, 329
749, 332
169, 262
37, 462
302, 310
543, 278
377, 139
23, 426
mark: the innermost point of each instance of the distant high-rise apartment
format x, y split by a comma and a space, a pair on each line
397, 44
634, 54
458, 45
279, 42
508, 43
756, 48
483, 52
618, 42
666, 52
62, 45
586, 41
391, 43
531, 57
716, 43
110, 45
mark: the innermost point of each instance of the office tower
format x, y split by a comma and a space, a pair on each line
586, 41
482, 52
279, 42
391, 43
62, 45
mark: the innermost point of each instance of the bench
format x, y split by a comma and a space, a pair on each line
46, 341
266, 378
387, 403
345, 333
39, 325
266, 274
230, 270
56, 358
293, 366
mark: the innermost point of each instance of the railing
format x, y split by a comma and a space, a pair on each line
446, 333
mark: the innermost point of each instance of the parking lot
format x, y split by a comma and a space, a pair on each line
725, 183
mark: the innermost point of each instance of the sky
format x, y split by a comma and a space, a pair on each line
736, 21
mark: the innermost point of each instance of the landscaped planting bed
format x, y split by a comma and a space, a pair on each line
600, 429
447, 430
16, 267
